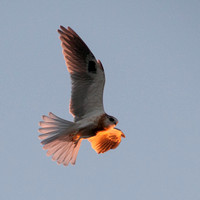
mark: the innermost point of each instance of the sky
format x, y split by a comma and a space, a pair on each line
150, 53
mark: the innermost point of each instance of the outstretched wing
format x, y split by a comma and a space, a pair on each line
87, 75
106, 140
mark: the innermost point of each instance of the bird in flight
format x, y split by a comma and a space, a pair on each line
62, 138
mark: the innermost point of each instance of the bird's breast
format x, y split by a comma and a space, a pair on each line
90, 129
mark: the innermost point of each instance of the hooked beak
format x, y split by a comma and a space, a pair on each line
123, 135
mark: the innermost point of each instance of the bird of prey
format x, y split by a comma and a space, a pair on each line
63, 138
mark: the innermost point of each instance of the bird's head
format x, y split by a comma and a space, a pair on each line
110, 121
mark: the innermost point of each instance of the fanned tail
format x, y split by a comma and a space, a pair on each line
57, 137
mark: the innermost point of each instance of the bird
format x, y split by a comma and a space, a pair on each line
62, 138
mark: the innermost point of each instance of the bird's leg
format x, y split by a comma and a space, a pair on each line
79, 137
77, 140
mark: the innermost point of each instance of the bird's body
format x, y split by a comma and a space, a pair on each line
63, 138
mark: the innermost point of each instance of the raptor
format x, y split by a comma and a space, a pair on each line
62, 138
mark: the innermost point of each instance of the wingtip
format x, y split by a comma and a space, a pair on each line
64, 29
70, 29
61, 30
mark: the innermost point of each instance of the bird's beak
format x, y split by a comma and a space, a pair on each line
123, 135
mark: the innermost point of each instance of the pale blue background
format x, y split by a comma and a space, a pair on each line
151, 54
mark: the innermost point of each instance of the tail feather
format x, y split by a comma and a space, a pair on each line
54, 149
50, 124
57, 138
47, 129
51, 115
51, 145
48, 119
68, 155
52, 138
62, 154
58, 152
75, 152
46, 135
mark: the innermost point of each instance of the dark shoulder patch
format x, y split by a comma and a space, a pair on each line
92, 67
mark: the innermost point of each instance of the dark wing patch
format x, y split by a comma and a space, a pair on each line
92, 67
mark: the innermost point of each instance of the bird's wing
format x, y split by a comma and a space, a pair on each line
106, 140
87, 75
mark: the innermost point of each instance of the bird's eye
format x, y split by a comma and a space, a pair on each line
111, 119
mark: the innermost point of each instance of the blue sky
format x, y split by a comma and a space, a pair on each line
150, 53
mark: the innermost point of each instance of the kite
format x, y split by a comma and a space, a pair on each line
62, 138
